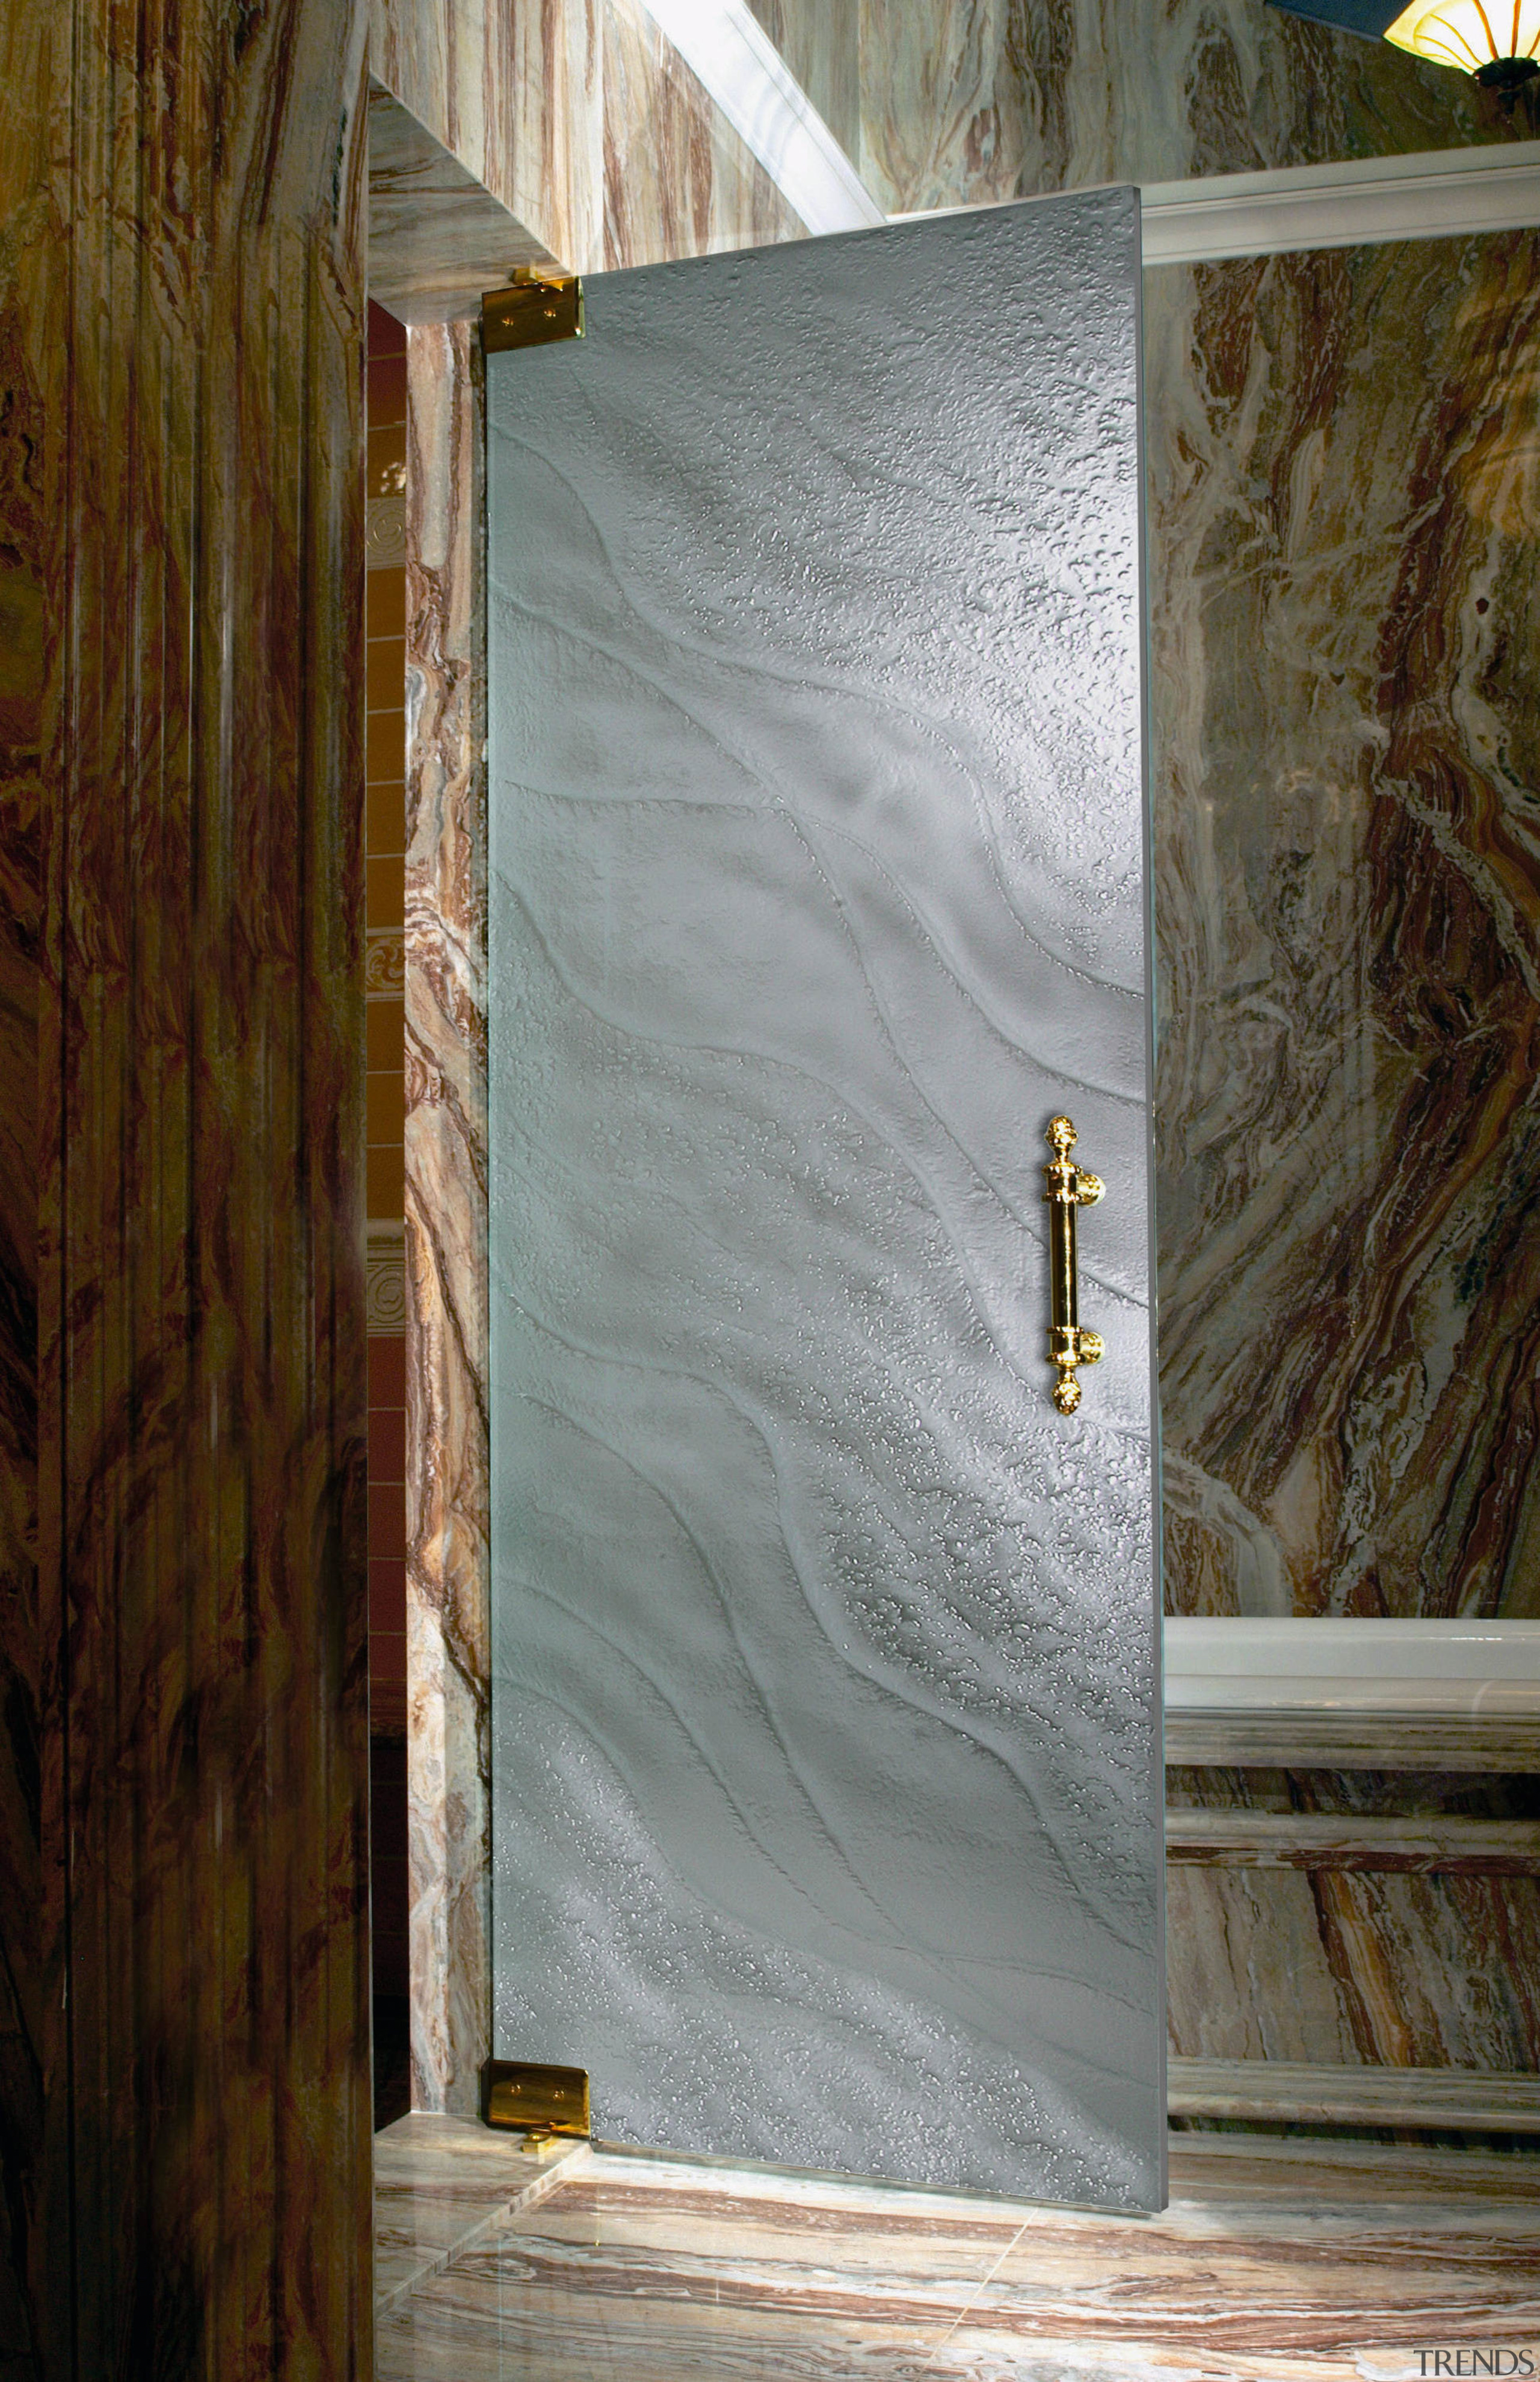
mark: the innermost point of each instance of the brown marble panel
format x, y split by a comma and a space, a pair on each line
1247, 1974
32, 565
448, 1650
1315, 2173
581, 121
1344, 459
181, 471
1345, 1741
1436, 1971
513, 89
967, 101
1391, 1968
678, 180
1425, 1844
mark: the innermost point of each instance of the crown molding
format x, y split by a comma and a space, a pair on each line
1437, 194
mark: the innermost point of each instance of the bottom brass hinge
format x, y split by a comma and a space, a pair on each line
548, 2105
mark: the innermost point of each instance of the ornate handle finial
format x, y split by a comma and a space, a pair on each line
1069, 1187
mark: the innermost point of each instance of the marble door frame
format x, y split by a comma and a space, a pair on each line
448, 1627
184, 2016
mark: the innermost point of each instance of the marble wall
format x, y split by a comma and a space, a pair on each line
678, 180
1343, 457
1345, 470
184, 2054
1359, 1965
1345, 476
965, 100
514, 90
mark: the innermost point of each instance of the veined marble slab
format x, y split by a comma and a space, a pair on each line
990, 101
1343, 620
747, 79
440, 2182
1323, 2266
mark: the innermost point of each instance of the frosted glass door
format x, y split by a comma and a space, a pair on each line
826, 1734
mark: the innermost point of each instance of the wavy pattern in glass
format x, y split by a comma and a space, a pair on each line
825, 1705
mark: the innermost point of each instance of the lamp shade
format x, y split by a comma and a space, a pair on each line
1497, 41
1477, 39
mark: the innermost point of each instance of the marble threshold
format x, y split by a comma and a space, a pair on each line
440, 2185
1274, 2259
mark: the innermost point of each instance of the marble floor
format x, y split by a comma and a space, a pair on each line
1277, 2259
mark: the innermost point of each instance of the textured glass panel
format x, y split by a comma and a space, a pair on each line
825, 1774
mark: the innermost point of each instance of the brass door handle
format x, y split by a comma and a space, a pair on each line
1069, 1187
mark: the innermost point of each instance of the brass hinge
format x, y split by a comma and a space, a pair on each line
548, 2105
534, 309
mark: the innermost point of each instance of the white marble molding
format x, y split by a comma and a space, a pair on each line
1441, 194
1457, 1670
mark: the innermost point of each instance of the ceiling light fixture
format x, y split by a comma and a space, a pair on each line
1496, 41
1495, 45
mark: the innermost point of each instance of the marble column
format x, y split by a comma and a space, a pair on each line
184, 2051
448, 1751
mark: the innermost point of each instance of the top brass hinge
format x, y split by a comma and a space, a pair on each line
534, 309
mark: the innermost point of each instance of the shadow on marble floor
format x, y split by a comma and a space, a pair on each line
1281, 2260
